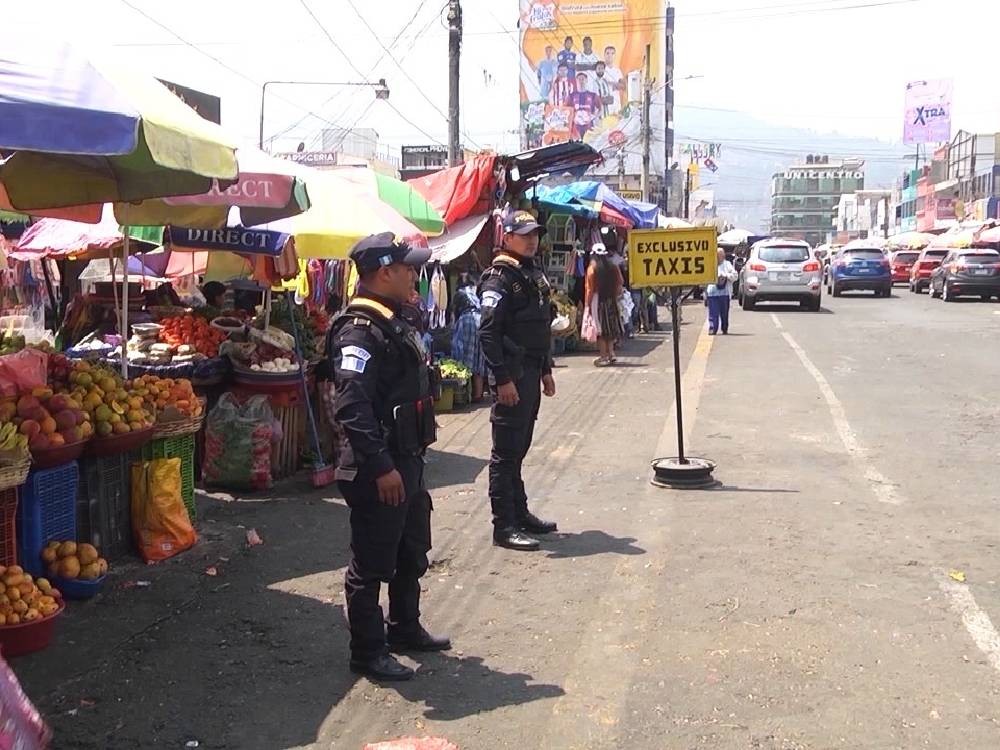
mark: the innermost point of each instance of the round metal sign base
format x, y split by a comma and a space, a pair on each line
693, 474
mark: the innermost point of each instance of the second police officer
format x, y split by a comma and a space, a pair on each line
383, 416
515, 333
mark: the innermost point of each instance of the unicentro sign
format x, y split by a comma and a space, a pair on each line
672, 257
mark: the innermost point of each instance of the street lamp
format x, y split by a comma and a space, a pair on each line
381, 93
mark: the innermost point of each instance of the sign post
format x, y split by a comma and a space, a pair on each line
675, 258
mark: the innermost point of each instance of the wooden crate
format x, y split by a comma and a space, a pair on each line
285, 454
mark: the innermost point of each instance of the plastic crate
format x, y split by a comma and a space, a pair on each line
181, 447
47, 511
8, 533
103, 515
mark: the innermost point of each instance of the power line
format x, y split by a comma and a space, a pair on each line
378, 62
217, 61
357, 70
403, 70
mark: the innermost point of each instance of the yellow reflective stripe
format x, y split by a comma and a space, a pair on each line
371, 304
507, 259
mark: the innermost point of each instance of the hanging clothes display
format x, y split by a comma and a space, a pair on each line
439, 289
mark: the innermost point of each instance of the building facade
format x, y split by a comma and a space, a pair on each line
861, 215
961, 183
805, 197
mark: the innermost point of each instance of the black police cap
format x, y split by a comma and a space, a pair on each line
377, 250
519, 221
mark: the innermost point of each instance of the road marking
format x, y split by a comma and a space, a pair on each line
977, 622
692, 381
587, 714
885, 491
777, 322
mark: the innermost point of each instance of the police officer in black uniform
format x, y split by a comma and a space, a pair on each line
383, 416
515, 335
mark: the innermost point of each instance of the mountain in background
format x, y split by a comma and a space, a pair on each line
753, 150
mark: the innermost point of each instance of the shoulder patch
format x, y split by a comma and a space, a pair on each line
356, 351
492, 298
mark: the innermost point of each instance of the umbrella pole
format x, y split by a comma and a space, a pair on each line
52, 295
124, 318
267, 307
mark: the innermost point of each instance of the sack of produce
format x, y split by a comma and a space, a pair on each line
238, 443
160, 522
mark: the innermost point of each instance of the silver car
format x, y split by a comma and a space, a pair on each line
781, 271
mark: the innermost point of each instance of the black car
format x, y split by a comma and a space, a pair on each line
971, 272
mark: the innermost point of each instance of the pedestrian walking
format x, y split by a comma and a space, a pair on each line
465, 345
516, 338
604, 285
383, 415
717, 296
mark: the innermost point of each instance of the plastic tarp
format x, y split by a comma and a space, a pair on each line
587, 192
61, 239
458, 238
461, 191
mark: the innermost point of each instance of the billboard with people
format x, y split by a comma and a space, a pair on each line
583, 66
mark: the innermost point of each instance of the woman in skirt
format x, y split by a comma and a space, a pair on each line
465, 346
604, 284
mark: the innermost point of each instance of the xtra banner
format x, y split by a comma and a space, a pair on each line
928, 112
234, 239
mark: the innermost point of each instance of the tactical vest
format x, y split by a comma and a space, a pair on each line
530, 314
407, 410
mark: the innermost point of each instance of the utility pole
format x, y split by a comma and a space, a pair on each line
454, 55
687, 192
668, 103
646, 95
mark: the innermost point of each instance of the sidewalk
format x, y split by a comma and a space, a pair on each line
254, 656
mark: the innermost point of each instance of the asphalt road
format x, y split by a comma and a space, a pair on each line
809, 602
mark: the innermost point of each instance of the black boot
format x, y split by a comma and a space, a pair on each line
419, 640
513, 538
382, 668
535, 525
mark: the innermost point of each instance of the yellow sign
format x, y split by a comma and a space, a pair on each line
630, 195
672, 257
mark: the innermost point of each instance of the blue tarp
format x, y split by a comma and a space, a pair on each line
54, 100
572, 195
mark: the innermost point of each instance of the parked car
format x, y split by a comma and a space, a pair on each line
860, 266
781, 271
920, 272
901, 262
831, 253
968, 272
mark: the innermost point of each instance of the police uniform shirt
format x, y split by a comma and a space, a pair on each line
364, 375
508, 287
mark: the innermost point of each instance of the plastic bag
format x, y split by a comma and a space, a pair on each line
21, 726
626, 306
238, 444
160, 522
588, 329
22, 371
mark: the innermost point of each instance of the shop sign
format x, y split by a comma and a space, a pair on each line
310, 158
672, 257
630, 195
236, 239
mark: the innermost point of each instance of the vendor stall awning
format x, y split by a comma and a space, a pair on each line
457, 239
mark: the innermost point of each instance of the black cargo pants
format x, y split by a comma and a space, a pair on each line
513, 430
388, 544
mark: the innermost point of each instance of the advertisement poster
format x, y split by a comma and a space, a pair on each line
582, 69
928, 112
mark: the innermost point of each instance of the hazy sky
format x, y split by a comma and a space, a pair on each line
824, 64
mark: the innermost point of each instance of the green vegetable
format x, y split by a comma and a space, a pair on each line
454, 370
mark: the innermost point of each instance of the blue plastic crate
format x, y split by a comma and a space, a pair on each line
47, 511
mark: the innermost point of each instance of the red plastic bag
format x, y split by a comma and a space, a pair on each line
412, 743
21, 726
22, 371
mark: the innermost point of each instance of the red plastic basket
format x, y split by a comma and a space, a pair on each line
28, 637
8, 533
